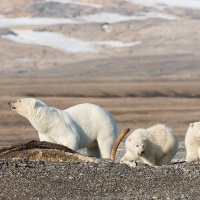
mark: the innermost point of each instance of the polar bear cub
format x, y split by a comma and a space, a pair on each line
81, 126
155, 146
192, 142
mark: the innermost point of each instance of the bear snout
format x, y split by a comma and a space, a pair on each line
140, 154
10, 104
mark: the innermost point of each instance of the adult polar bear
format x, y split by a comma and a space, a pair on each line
81, 126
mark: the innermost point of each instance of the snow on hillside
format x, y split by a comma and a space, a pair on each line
191, 4
73, 45
96, 18
76, 3
64, 44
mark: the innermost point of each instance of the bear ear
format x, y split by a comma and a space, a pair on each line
36, 104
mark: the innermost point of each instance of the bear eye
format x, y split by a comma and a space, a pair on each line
137, 145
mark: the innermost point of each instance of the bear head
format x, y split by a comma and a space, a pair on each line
135, 147
26, 106
194, 128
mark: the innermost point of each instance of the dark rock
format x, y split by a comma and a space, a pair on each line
5, 31
59, 10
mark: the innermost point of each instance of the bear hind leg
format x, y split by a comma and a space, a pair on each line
150, 161
166, 158
106, 139
105, 149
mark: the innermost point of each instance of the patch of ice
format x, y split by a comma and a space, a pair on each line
62, 43
192, 4
107, 18
160, 16
117, 44
53, 40
76, 3
24, 59
28, 21
96, 18
115, 18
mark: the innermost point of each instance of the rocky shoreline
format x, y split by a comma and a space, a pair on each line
22, 178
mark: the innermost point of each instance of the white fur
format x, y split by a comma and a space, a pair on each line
155, 146
81, 126
192, 142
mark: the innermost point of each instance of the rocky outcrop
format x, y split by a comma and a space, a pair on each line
43, 151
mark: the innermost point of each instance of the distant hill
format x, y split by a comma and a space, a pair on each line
113, 38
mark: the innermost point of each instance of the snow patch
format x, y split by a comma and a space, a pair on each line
115, 18
23, 59
62, 43
191, 4
28, 21
96, 18
117, 44
76, 3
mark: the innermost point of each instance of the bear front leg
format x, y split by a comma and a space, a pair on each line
192, 154
45, 137
129, 157
71, 142
199, 152
69, 139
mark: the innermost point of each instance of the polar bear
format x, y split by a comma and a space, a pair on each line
81, 126
156, 145
192, 142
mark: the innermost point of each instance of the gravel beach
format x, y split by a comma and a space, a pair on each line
36, 179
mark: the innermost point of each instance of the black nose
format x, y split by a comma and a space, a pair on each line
10, 104
142, 152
